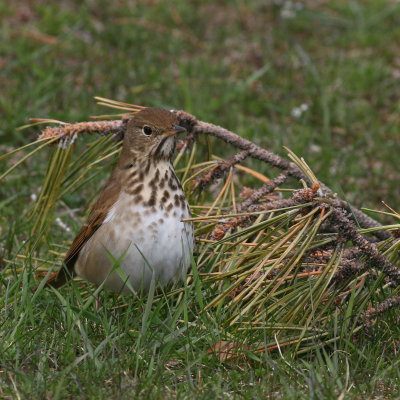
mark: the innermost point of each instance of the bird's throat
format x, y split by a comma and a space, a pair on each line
154, 184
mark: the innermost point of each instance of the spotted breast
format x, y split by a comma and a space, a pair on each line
143, 236
135, 233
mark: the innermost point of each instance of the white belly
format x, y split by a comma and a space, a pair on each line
136, 245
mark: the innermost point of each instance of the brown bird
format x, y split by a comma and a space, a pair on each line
135, 233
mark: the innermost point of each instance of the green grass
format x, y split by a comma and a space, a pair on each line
56, 345
238, 64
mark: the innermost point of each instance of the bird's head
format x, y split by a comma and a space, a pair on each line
151, 133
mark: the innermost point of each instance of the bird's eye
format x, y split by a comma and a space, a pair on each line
147, 130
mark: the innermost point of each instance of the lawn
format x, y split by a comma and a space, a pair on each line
319, 77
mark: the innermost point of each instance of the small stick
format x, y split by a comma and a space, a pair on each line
264, 190
221, 229
348, 231
366, 317
97, 127
220, 169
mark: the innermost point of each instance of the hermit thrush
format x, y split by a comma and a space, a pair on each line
135, 233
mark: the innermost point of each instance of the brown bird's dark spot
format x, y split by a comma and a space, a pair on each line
134, 182
138, 199
137, 189
153, 197
173, 174
172, 183
138, 179
166, 194
162, 183
158, 152
183, 201
152, 201
147, 167
161, 220
163, 201
136, 216
153, 227
170, 207
154, 180
177, 199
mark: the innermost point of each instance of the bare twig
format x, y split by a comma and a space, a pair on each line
366, 317
362, 219
221, 229
98, 127
264, 190
186, 142
350, 268
220, 169
348, 230
254, 151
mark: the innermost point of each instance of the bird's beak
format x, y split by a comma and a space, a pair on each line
174, 130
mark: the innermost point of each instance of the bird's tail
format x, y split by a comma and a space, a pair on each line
59, 278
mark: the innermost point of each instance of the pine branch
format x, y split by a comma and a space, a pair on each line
348, 231
117, 127
267, 188
220, 169
367, 316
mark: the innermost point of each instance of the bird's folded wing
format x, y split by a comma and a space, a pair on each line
99, 212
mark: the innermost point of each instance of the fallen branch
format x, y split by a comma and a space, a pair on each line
222, 229
348, 230
366, 317
117, 127
259, 153
267, 188
220, 169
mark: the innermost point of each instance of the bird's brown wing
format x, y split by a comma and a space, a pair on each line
106, 200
